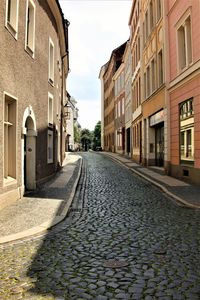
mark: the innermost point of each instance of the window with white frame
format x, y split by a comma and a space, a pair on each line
51, 61
50, 109
186, 114
50, 147
160, 68
184, 44
10, 108
30, 27
12, 16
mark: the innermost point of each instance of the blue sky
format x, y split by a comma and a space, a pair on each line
96, 28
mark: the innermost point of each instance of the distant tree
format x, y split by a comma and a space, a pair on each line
86, 139
77, 134
97, 135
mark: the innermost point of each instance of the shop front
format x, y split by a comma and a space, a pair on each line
156, 123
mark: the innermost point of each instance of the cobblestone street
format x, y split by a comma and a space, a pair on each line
124, 240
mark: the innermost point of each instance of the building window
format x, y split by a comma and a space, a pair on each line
50, 147
186, 115
160, 68
151, 15
119, 109
9, 137
184, 44
12, 16
123, 106
30, 27
148, 81
153, 76
144, 36
51, 61
146, 26
145, 86
139, 92
50, 109
159, 9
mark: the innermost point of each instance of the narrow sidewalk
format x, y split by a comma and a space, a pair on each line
184, 193
40, 210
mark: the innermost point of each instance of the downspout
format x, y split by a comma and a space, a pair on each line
62, 137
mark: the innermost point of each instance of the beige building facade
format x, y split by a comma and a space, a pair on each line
128, 98
34, 67
135, 44
119, 79
154, 89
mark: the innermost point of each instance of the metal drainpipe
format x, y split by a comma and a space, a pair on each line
66, 24
62, 113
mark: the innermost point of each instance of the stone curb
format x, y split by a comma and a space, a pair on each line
164, 189
44, 227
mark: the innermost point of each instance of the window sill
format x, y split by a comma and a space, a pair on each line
187, 162
50, 162
29, 51
11, 30
9, 180
51, 82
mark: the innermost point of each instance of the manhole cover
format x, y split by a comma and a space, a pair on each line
160, 252
112, 263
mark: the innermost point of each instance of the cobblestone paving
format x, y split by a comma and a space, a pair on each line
125, 221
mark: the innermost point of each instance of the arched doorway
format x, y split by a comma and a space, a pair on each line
29, 150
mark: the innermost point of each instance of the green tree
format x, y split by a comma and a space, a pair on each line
86, 139
97, 135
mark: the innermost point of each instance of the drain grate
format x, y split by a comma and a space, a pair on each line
113, 263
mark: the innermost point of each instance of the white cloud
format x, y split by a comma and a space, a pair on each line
91, 109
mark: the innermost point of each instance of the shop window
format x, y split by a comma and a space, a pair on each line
187, 131
12, 16
9, 137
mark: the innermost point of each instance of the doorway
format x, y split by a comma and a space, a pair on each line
128, 142
159, 142
29, 155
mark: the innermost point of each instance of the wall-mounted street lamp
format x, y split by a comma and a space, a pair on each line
67, 108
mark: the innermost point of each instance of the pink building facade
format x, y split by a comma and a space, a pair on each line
183, 80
